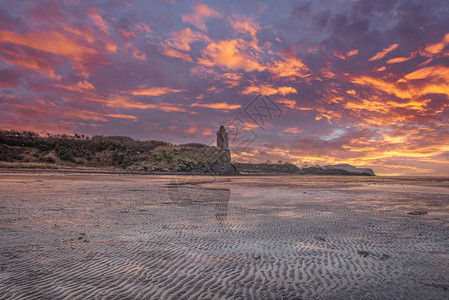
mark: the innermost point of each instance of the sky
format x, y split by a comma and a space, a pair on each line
310, 82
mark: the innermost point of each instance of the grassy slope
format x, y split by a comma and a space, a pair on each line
27, 149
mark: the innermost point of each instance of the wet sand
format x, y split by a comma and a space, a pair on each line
111, 236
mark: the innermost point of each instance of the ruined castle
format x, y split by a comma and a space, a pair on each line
222, 138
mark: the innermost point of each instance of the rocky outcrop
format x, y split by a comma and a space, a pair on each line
207, 160
111, 153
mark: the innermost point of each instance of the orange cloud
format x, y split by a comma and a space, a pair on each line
181, 40
430, 51
339, 55
169, 107
330, 115
351, 92
83, 115
191, 130
382, 85
111, 47
120, 116
229, 54
434, 80
80, 87
295, 130
200, 13
139, 55
352, 52
98, 20
231, 76
383, 53
326, 72
83, 34
380, 106
143, 27
437, 47
35, 63
230, 79
207, 132
399, 60
51, 110
155, 91
177, 54
127, 35
292, 104
438, 71
289, 67
218, 105
54, 43
268, 90
120, 101
203, 72
246, 25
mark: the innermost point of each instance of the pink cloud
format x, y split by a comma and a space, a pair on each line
199, 16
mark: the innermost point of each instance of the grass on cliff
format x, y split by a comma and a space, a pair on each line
110, 152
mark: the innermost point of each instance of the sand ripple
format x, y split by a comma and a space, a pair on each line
136, 237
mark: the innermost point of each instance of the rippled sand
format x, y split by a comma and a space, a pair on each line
98, 236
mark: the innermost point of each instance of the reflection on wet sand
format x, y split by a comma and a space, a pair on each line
183, 193
78, 236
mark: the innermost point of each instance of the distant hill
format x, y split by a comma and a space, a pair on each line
288, 168
27, 149
350, 168
257, 168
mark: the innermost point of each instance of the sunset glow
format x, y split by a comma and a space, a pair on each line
359, 82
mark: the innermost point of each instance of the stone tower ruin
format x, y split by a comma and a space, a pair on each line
222, 138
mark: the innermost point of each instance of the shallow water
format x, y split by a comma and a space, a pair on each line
84, 236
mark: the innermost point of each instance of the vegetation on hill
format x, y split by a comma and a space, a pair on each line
111, 152
285, 168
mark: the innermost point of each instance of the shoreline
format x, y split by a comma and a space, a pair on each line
170, 173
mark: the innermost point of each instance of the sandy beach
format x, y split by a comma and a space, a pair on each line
121, 236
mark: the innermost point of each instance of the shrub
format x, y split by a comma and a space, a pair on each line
163, 154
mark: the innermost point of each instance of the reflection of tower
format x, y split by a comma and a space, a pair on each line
222, 138
221, 204
186, 194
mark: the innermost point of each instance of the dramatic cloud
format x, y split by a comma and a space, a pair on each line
292, 130
360, 82
219, 105
268, 90
177, 54
156, 91
98, 20
289, 67
230, 55
199, 16
384, 52
181, 40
